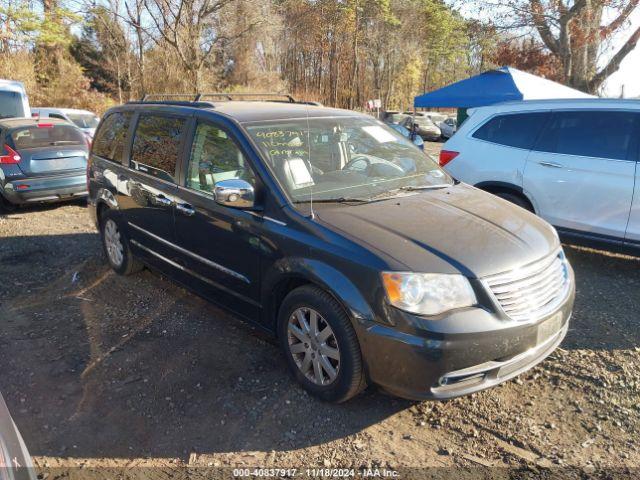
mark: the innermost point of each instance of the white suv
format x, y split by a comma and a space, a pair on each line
573, 162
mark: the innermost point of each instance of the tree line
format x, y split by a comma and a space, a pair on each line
93, 53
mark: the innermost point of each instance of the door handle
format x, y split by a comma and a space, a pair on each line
162, 200
550, 164
185, 209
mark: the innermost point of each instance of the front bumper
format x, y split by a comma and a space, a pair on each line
422, 365
45, 189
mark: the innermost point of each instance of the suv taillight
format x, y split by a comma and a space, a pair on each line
446, 156
12, 156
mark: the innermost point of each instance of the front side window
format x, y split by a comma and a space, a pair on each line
602, 134
156, 145
343, 158
215, 157
110, 139
518, 130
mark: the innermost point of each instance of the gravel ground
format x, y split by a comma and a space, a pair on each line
103, 372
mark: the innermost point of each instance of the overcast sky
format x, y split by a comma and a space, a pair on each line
629, 73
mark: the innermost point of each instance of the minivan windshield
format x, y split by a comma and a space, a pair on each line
343, 158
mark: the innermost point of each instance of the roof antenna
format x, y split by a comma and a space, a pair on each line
312, 215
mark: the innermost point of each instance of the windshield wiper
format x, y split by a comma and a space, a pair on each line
335, 200
64, 142
410, 188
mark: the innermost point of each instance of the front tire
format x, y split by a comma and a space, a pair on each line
320, 345
116, 246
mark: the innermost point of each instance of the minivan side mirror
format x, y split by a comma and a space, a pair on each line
234, 192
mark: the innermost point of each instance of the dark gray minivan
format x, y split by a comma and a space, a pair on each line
323, 226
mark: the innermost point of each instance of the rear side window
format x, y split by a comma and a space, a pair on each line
11, 105
515, 130
156, 145
46, 135
602, 134
110, 139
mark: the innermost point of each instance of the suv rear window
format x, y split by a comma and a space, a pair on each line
602, 134
45, 135
110, 139
513, 130
156, 145
11, 105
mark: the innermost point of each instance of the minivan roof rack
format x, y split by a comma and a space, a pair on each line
191, 98
179, 103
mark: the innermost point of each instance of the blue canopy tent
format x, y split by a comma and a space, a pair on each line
495, 86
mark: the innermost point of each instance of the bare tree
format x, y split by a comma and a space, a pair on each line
575, 32
191, 28
135, 9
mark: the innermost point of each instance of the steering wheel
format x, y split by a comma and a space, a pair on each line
357, 158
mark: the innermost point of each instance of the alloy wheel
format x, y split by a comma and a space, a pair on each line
314, 346
113, 243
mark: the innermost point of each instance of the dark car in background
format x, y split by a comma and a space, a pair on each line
424, 127
323, 226
393, 117
41, 161
15, 462
417, 139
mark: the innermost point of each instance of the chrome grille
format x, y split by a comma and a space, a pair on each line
530, 292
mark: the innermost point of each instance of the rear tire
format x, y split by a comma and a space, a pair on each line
6, 206
325, 356
515, 199
116, 245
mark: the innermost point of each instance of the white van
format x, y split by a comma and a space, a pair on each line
13, 99
83, 119
573, 162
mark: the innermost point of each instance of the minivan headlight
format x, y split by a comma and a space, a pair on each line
427, 293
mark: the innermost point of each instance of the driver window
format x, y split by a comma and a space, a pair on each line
215, 157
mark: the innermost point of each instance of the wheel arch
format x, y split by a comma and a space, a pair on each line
289, 274
505, 187
105, 200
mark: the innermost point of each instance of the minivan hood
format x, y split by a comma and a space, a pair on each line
450, 230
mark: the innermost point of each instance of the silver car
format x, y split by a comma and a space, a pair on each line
83, 119
424, 127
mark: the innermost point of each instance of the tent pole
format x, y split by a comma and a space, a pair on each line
413, 123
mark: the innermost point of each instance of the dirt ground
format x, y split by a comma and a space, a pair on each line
106, 372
